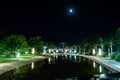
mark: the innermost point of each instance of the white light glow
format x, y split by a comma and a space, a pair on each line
103, 76
33, 51
18, 55
52, 50
26, 52
65, 50
93, 51
56, 51
45, 47
56, 56
32, 65
49, 60
75, 57
17, 68
75, 51
49, 50
71, 10
94, 65
44, 51
100, 68
99, 51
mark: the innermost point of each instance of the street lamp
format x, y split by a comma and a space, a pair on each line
33, 50
93, 51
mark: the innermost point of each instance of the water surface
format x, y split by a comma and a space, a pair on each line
63, 67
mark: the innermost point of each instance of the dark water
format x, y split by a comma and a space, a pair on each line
57, 68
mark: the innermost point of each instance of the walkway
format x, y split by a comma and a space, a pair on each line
4, 67
108, 63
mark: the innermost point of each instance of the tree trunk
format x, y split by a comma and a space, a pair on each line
111, 47
102, 47
109, 52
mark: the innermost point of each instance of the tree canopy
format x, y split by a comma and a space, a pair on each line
14, 42
37, 43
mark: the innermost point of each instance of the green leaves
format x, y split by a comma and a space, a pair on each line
37, 43
13, 43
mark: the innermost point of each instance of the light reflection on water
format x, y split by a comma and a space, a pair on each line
100, 69
94, 64
49, 60
70, 56
46, 68
56, 56
32, 65
75, 57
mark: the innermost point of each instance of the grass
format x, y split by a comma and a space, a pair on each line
3, 58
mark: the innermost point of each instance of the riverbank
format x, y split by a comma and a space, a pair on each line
112, 65
7, 66
108, 63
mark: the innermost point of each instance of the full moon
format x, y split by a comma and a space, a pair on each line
70, 10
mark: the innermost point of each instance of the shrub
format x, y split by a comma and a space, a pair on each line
11, 54
117, 57
102, 54
113, 54
1, 51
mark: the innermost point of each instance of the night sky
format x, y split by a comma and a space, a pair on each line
51, 19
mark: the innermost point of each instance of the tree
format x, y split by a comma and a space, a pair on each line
100, 43
118, 39
91, 44
110, 41
14, 43
83, 46
50, 45
37, 43
3, 34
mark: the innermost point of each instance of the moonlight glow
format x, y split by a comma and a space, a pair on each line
70, 10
